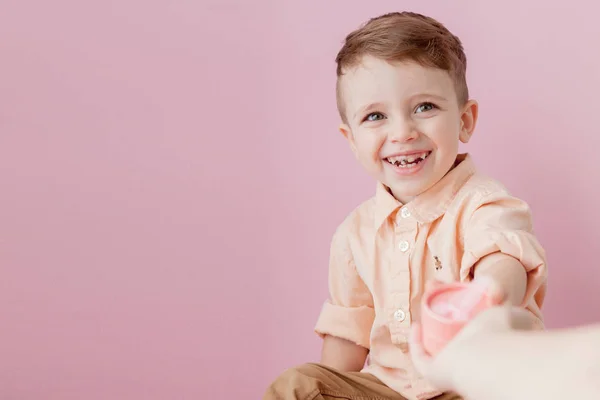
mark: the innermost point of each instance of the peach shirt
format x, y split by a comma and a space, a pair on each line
384, 252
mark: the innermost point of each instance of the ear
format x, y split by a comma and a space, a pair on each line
468, 120
347, 132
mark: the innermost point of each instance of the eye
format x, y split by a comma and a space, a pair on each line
375, 116
421, 108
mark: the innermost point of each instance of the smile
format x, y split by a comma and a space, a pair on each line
408, 161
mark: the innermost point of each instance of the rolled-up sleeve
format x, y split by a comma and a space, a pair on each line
502, 223
348, 313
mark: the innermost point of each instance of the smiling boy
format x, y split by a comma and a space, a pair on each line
404, 108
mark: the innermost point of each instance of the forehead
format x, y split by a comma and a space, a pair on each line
376, 80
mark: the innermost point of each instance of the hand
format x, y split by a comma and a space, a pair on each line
443, 369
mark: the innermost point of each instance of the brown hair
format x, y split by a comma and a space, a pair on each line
403, 36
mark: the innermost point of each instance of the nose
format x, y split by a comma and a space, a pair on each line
402, 131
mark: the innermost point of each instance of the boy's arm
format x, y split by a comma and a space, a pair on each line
347, 317
342, 354
507, 272
500, 244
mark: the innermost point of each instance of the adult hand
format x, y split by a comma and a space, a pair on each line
461, 355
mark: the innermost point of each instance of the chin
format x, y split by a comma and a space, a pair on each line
414, 189
403, 193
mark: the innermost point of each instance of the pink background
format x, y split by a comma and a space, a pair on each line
169, 170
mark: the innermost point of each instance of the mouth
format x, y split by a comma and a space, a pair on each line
408, 161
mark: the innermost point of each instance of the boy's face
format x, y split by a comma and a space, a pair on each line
404, 123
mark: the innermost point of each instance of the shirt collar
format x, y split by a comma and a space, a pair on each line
431, 204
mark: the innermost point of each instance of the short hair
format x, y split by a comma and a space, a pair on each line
405, 36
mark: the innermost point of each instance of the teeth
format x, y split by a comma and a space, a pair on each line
402, 161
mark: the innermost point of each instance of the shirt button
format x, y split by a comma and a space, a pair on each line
399, 315
405, 213
403, 246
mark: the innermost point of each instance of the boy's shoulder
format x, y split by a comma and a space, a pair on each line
480, 189
360, 218
481, 185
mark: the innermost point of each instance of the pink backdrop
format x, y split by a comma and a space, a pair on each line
169, 170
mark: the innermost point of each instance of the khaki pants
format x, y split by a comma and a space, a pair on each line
317, 382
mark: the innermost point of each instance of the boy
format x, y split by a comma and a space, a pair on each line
404, 105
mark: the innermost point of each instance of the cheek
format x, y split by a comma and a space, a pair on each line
445, 136
369, 147
449, 143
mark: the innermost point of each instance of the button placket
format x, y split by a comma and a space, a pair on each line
399, 332
403, 246
399, 315
405, 231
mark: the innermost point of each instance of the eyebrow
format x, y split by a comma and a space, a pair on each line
368, 108
435, 96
